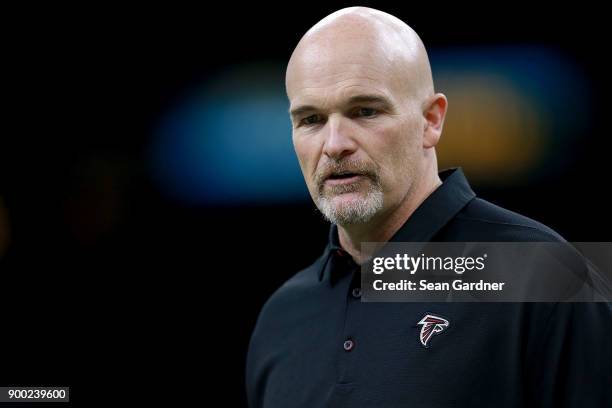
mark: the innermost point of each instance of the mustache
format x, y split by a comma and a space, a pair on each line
333, 168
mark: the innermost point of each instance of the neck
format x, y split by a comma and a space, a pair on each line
383, 226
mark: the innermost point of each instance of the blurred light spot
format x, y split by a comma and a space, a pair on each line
230, 142
515, 113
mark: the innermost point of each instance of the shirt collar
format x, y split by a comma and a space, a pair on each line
434, 213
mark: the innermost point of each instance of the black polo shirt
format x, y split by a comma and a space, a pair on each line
317, 345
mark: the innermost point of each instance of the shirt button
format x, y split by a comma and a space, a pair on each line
348, 345
356, 292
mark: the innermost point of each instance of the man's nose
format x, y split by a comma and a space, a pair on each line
339, 141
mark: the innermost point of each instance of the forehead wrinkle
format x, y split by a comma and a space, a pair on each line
340, 98
341, 83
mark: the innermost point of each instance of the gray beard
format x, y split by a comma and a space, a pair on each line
356, 211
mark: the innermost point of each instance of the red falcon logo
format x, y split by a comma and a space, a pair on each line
431, 325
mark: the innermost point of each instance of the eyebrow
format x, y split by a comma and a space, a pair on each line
382, 100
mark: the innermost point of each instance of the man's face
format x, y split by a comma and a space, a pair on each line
357, 131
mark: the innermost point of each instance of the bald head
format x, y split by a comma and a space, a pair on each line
360, 37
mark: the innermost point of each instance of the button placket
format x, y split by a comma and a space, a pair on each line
350, 355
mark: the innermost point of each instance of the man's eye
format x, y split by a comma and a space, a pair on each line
366, 112
311, 120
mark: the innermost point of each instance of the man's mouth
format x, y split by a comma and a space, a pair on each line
343, 178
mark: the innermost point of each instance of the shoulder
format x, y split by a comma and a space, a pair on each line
290, 296
481, 220
289, 311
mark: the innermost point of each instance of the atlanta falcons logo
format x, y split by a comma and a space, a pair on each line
431, 325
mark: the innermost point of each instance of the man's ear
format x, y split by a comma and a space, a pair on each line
434, 112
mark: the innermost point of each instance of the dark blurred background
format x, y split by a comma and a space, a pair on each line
151, 201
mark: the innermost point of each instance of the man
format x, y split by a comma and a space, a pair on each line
366, 120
